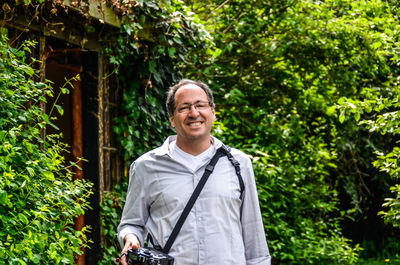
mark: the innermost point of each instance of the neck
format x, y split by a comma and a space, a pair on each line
194, 147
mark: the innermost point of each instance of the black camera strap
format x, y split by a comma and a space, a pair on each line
222, 151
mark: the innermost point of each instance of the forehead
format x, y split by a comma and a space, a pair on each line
190, 93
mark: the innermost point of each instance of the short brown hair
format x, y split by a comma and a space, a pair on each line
172, 91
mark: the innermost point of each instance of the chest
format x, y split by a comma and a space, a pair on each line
173, 185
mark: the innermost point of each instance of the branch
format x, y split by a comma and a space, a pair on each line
212, 12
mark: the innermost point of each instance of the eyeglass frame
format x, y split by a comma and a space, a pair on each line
187, 107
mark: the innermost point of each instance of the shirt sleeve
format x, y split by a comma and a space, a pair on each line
135, 213
255, 243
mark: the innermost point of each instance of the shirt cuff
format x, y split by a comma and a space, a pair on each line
126, 231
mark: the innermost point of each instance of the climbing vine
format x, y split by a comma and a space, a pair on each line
145, 57
155, 40
38, 199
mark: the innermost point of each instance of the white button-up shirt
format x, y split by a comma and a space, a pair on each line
221, 229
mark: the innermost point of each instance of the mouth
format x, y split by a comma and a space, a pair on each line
194, 123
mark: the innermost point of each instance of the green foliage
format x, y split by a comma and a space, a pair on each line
279, 68
111, 211
393, 204
376, 106
38, 200
378, 256
293, 205
377, 110
154, 40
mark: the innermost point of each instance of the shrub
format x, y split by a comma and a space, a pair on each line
111, 211
38, 199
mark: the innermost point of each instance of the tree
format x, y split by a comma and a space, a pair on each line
377, 110
279, 69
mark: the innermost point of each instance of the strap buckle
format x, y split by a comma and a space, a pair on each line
210, 168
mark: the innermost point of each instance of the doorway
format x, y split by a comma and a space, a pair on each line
78, 125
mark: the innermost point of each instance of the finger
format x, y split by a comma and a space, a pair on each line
130, 245
126, 248
135, 245
123, 260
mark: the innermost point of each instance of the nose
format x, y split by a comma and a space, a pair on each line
193, 112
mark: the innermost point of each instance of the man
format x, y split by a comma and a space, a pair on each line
224, 226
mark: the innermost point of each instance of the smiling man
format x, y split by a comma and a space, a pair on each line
224, 226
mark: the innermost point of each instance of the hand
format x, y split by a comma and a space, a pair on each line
131, 242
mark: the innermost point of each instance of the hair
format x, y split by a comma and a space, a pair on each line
172, 91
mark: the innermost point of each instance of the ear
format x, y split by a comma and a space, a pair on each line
213, 113
171, 119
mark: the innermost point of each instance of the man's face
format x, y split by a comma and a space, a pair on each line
192, 124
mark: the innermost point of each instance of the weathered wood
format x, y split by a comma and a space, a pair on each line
101, 88
42, 72
77, 146
98, 9
107, 131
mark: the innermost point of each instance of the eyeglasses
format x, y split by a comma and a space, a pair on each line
186, 107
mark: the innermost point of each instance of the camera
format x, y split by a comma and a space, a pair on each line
148, 256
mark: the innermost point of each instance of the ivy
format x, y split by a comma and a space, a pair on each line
146, 55
280, 70
111, 211
156, 39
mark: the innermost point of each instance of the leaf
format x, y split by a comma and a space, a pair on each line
342, 116
171, 52
152, 66
3, 197
357, 116
60, 109
23, 219
29, 147
2, 135
341, 100
49, 175
113, 60
64, 90
30, 171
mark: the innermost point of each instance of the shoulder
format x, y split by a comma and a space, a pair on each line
147, 159
240, 156
236, 152
150, 155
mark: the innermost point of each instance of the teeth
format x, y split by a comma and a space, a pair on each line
195, 124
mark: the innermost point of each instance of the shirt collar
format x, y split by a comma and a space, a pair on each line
164, 148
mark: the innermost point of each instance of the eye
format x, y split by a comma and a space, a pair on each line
184, 108
201, 105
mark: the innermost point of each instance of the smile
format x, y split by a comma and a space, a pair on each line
195, 124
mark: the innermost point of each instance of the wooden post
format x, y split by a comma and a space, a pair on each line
42, 72
101, 88
77, 147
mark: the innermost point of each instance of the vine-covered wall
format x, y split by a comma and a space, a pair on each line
278, 70
144, 54
155, 41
